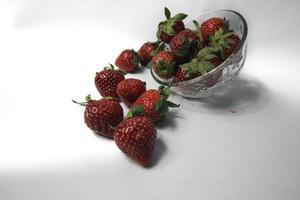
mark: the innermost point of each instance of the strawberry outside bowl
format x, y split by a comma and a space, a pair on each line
220, 77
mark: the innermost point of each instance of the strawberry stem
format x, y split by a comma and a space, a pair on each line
80, 103
109, 67
87, 98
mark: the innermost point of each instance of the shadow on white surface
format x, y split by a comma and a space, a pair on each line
102, 137
244, 95
170, 122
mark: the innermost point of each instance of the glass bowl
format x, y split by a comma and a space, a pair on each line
221, 76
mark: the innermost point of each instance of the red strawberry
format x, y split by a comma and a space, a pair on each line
163, 63
136, 138
155, 104
210, 26
216, 61
128, 61
107, 80
205, 61
184, 45
101, 116
181, 75
226, 42
233, 44
145, 52
172, 25
130, 89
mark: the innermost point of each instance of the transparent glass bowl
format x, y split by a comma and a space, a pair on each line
221, 76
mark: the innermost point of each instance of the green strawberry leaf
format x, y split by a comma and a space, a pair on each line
179, 17
226, 25
109, 67
135, 60
208, 66
167, 13
135, 111
173, 105
219, 33
162, 107
209, 56
185, 66
164, 91
149, 65
206, 51
222, 54
200, 69
197, 25
168, 28
88, 98
161, 46
226, 35
160, 104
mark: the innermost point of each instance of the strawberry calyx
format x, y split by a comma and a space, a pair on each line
221, 39
112, 68
109, 67
165, 67
188, 47
226, 26
164, 91
201, 64
135, 58
160, 47
87, 100
135, 111
167, 25
162, 105
198, 31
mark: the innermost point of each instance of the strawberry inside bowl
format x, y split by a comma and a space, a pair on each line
219, 60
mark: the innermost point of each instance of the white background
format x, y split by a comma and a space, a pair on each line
243, 144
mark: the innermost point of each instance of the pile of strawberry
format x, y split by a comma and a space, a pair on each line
179, 53
135, 134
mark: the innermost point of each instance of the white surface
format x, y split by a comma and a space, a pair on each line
50, 51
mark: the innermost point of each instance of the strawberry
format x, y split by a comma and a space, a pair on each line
172, 25
107, 80
128, 60
233, 44
145, 52
136, 138
205, 61
184, 45
163, 63
155, 104
210, 26
226, 42
181, 75
130, 89
101, 116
